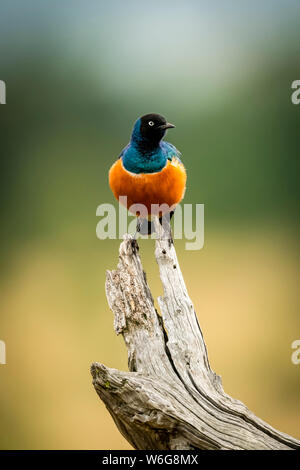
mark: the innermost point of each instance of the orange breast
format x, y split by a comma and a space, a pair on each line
165, 187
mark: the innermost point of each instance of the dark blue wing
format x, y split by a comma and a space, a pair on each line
170, 150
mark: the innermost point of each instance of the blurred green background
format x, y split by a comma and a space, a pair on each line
78, 74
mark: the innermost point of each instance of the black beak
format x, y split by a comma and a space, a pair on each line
166, 126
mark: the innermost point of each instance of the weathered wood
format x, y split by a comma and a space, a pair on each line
170, 399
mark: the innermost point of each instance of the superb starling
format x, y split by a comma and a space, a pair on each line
149, 172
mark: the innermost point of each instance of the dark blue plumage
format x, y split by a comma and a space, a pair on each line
146, 151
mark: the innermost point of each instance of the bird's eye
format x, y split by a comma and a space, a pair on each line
151, 123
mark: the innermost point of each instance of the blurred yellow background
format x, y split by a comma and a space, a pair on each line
77, 77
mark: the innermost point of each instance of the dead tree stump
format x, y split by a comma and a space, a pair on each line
170, 399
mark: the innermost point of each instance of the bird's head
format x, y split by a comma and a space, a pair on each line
150, 129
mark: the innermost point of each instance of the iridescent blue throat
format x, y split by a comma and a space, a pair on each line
142, 156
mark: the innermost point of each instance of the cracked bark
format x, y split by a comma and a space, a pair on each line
170, 399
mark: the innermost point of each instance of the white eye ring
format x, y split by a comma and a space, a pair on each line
151, 123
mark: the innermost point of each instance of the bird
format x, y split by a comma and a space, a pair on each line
149, 172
